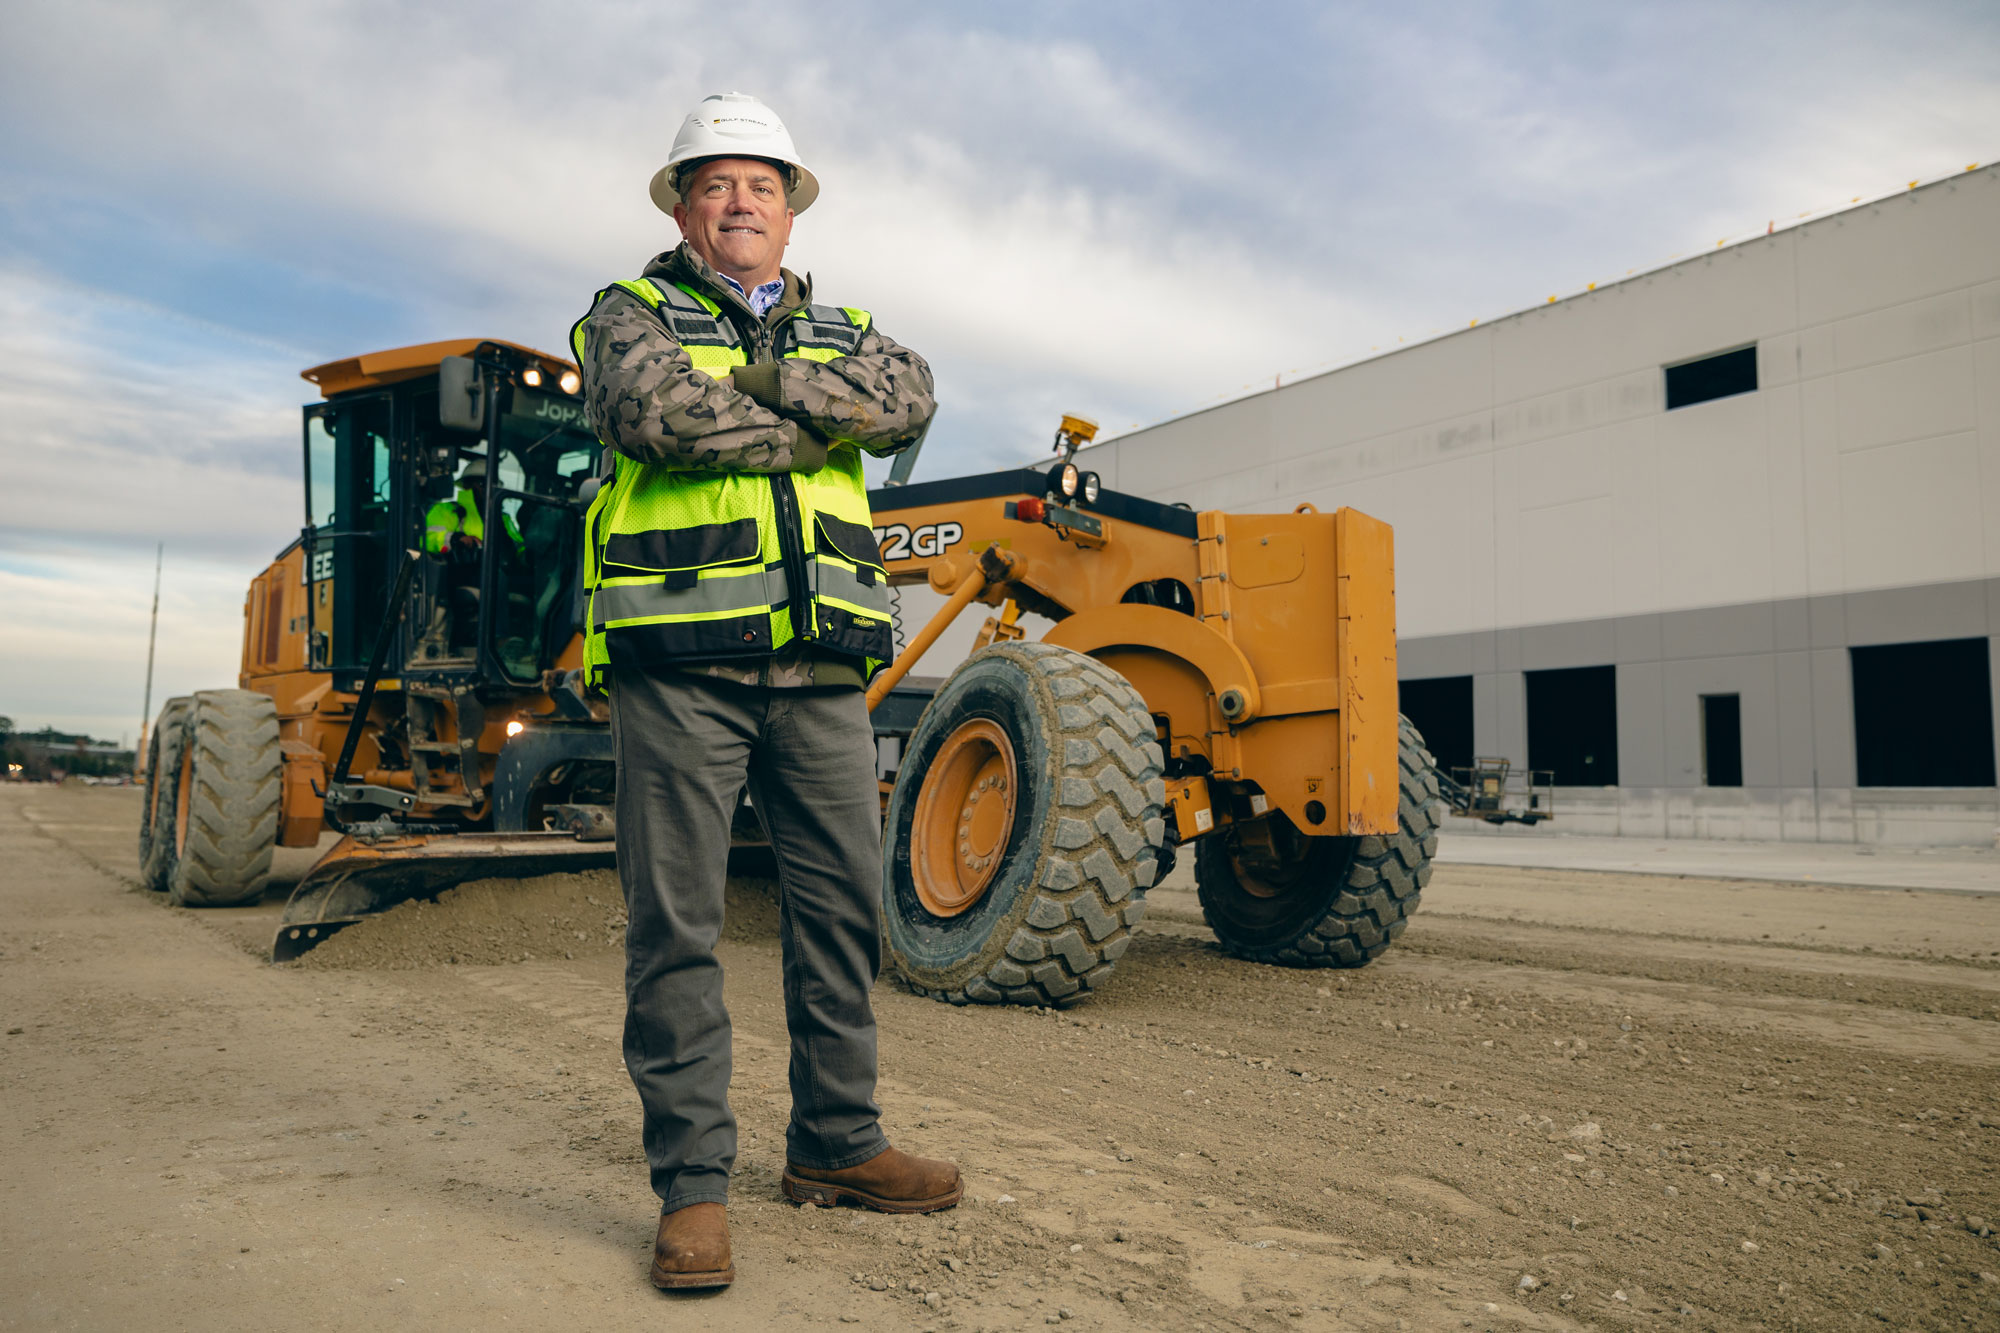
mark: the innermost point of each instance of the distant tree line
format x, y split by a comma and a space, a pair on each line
48, 754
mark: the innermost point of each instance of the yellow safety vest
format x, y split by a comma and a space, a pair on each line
685, 564
461, 515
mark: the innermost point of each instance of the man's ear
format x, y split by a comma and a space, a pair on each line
680, 218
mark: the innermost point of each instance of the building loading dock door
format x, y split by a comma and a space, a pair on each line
1441, 708
1573, 725
1923, 714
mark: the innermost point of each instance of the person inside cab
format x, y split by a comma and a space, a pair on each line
454, 529
454, 533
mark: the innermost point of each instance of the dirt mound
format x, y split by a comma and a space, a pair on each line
492, 921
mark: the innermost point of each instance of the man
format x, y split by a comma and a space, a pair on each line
459, 524
454, 531
737, 606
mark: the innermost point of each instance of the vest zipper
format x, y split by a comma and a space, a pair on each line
791, 542
791, 534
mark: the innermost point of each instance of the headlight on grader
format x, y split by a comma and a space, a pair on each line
532, 377
1064, 479
570, 381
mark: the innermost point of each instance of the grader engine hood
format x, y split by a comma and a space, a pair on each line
1266, 643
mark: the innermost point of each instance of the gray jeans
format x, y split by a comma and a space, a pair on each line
686, 746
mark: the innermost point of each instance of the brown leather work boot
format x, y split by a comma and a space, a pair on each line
892, 1181
692, 1249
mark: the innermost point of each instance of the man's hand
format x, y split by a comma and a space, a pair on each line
760, 384
464, 548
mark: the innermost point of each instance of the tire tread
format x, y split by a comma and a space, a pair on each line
1104, 843
1384, 882
233, 811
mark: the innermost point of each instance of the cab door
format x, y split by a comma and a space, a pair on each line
349, 462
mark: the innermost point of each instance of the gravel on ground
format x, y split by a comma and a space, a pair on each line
1564, 1100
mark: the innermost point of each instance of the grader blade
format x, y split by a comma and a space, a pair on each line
357, 879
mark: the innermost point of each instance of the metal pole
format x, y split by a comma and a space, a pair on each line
152, 638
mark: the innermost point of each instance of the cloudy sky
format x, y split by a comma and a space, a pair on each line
1123, 209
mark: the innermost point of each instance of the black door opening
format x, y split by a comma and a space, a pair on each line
1923, 714
1573, 725
1441, 708
1722, 740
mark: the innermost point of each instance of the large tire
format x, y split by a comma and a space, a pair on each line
156, 817
1340, 901
1048, 882
231, 775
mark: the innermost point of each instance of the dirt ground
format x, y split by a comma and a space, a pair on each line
1564, 1100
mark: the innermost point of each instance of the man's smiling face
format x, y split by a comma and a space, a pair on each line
733, 214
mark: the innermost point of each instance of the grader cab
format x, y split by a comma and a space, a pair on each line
411, 681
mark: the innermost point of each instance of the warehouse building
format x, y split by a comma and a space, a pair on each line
1718, 544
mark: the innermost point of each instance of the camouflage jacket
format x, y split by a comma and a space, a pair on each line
644, 398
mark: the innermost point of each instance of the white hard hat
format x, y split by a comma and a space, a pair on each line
733, 125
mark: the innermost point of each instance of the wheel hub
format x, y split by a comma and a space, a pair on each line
964, 816
183, 800
1267, 856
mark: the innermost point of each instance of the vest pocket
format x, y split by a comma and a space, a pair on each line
851, 589
678, 555
854, 544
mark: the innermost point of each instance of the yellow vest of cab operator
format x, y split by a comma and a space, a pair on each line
688, 564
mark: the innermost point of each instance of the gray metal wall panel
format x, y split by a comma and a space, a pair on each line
1641, 742
1427, 659
1833, 718
1486, 713
1795, 719
1584, 643
1637, 639
1721, 631
1914, 615
1510, 717
1791, 625
1829, 621
1485, 651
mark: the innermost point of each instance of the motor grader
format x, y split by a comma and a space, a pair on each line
1221, 680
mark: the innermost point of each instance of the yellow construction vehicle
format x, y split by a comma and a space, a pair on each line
411, 680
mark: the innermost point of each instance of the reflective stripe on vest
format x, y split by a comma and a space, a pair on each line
691, 564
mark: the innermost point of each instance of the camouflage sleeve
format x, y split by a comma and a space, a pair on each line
644, 398
880, 398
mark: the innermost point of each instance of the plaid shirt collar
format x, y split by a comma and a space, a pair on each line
762, 297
